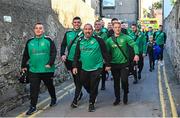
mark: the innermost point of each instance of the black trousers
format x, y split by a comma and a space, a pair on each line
151, 61
120, 73
103, 78
140, 66
76, 78
90, 80
35, 82
160, 56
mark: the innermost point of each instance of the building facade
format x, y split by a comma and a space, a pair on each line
125, 10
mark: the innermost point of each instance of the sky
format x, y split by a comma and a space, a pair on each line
148, 3
167, 8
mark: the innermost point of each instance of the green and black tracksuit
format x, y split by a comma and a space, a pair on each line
38, 53
160, 39
140, 40
102, 35
92, 54
119, 63
70, 41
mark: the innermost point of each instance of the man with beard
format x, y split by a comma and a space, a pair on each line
140, 40
91, 52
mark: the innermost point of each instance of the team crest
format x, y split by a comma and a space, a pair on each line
92, 42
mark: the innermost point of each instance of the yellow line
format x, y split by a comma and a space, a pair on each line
44, 108
163, 105
44, 101
172, 104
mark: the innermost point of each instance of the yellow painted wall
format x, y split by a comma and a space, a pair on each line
67, 9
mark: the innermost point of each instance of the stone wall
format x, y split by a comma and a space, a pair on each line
17, 18
172, 28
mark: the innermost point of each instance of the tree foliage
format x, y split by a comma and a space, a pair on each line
157, 5
173, 2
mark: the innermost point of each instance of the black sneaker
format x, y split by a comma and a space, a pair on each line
139, 76
74, 104
91, 107
103, 88
80, 96
150, 70
53, 102
31, 110
125, 99
116, 102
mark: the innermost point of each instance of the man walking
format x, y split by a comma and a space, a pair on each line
140, 40
160, 39
91, 52
103, 35
40, 54
117, 47
69, 41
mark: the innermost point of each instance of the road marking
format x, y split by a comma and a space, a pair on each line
46, 100
44, 108
172, 104
161, 94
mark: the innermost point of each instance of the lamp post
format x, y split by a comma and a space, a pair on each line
163, 12
100, 7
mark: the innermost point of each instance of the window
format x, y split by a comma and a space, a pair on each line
108, 3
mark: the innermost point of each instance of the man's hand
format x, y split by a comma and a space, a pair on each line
24, 69
107, 68
47, 66
75, 71
136, 58
63, 58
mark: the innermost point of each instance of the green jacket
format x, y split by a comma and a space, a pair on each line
104, 30
117, 56
160, 37
103, 35
39, 52
91, 53
140, 40
69, 43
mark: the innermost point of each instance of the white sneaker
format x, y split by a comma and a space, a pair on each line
159, 62
162, 63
